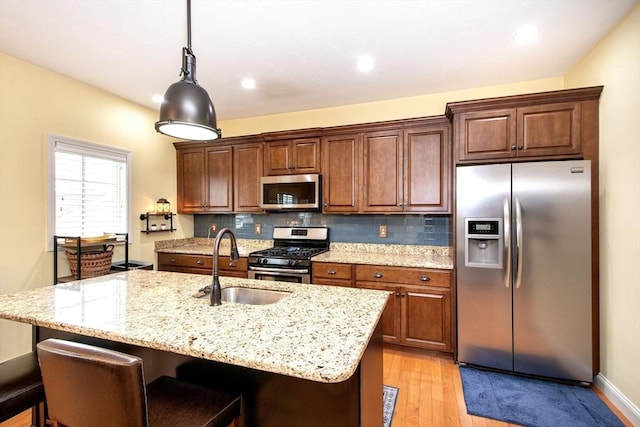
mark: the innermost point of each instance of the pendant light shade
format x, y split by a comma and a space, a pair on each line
187, 111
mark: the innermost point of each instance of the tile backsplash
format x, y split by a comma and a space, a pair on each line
432, 230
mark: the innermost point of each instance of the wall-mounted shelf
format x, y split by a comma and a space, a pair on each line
149, 227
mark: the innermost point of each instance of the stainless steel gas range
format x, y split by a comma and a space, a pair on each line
289, 260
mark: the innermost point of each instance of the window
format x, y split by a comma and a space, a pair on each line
89, 188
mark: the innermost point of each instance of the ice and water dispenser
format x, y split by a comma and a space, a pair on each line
484, 242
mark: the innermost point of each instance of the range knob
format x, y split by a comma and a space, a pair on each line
264, 261
293, 262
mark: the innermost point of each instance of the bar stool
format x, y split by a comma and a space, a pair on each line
87, 386
20, 385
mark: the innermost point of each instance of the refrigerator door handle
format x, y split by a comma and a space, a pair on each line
519, 243
507, 243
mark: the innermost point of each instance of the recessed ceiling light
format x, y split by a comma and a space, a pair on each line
157, 98
526, 35
365, 63
248, 83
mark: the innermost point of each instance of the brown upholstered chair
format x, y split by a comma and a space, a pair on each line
87, 386
20, 385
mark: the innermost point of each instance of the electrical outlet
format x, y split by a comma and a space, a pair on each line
382, 231
214, 227
257, 228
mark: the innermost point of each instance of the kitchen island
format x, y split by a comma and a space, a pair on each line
312, 358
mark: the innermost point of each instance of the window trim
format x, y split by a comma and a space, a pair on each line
83, 147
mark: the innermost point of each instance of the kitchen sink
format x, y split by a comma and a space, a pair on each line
252, 296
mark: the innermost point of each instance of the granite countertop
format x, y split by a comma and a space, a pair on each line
204, 246
317, 333
438, 257
392, 255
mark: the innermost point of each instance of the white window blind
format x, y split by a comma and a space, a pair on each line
89, 187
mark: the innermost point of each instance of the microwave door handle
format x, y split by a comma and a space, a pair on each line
519, 243
507, 243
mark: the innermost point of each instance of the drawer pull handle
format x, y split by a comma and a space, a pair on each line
425, 278
199, 262
377, 275
172, 260
331, 271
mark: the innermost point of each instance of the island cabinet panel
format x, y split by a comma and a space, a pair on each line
341, 173
548, 125
294, 156
420, 307
201, 264
332, 273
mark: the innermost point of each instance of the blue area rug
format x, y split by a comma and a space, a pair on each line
531, 402
389, 398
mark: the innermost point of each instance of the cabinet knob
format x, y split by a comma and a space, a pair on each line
403, 294
199, 262
331, 272
520, 147
377, 275
513, 148
172, 260
425, 278
398, 294
326, 204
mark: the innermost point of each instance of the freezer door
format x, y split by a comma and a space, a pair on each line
483, 294
552, 289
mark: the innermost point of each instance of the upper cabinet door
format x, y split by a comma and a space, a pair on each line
340, 173
247, 171
427, 169
219, 179
295, 156
191, 187
382, 171
483, 135
549, 130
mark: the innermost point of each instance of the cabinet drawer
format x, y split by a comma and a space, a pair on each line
241, 264
401, 275
332, 270
181, 260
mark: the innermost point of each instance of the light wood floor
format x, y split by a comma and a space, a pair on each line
430, 393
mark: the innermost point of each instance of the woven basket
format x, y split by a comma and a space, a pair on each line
92, 263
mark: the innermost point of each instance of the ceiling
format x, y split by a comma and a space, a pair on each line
303, 54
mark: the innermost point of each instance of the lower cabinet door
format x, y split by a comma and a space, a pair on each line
391, 314
426, 318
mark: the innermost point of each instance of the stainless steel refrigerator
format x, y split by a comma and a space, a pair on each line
523, 259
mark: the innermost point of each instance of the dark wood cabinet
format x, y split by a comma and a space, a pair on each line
341, 173
420, 308
217, 178
293, 156
205, 179
201, 264
332, 273
247, 171
548, 125
407, 170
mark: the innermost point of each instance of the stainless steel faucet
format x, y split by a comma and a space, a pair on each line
216, 291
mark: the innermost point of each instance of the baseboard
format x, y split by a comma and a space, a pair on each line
628, 409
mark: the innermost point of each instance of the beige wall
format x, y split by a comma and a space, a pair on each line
615, 63
34, 102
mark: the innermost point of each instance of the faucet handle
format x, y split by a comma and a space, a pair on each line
235, 255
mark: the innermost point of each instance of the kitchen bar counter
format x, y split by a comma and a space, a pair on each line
316, 333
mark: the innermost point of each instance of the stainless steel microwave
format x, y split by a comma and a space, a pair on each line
291, 192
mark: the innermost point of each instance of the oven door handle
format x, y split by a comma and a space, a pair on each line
277, 271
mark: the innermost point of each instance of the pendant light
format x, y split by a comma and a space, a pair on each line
187, 111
